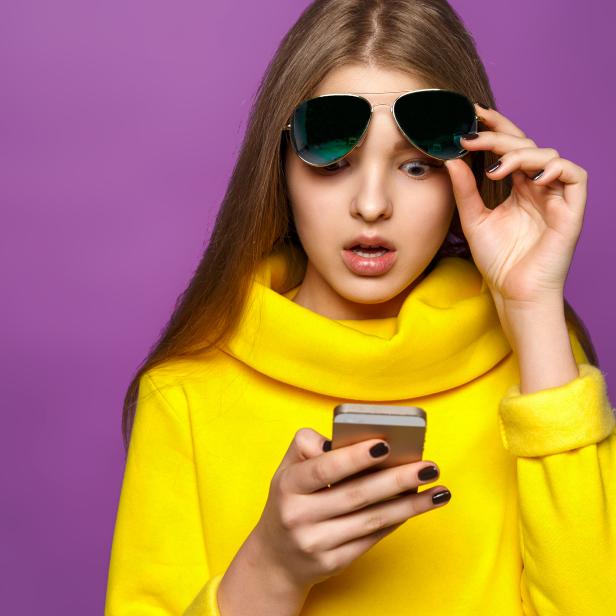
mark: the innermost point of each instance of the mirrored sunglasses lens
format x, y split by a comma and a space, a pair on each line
326, 128
435, 120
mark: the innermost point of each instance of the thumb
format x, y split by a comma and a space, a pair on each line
307, 443
470, 205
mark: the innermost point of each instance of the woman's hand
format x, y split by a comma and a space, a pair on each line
523, 247
312, 532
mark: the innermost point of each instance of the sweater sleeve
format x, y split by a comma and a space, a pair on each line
564, 440
158, 562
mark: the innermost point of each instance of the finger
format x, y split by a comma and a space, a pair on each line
523, 183
574, 180
342, 529
358, 493
496, 142
333, 466
351, 550
306, 444
338, 559
471, 207
496, 121
528, 160
563, 176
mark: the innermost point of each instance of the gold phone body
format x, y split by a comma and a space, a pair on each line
402, 427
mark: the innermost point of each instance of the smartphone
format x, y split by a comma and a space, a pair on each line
402, 427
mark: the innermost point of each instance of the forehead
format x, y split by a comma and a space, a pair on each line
378, 85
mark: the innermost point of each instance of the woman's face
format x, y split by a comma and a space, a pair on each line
385, 187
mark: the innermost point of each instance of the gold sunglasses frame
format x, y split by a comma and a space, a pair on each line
402, 93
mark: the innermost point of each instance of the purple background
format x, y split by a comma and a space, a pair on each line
120, 123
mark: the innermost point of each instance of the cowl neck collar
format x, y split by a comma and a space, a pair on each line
446, 333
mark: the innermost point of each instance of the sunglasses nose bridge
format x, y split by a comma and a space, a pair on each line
365, 133
391, 110
381, 105
390, 107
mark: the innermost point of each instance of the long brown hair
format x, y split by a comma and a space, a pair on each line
425, 38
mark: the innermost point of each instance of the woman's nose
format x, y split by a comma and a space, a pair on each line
373, 196
372, 199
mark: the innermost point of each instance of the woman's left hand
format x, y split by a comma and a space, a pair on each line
523, 247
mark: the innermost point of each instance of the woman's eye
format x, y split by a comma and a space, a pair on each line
419, 168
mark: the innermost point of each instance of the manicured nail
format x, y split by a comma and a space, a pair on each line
482, 105
327, 445
495, 166
441, 497
429, 472
470, 136
380, 449
539, 174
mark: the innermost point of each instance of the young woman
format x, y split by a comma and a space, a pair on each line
366, 252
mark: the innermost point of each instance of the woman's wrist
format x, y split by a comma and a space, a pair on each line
256, 586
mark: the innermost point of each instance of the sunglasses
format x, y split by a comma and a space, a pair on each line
325, 129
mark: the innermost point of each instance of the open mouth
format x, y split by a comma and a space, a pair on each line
369, 260
369, 251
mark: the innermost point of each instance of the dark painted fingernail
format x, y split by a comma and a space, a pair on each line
441, 497
482, 105
380, 449
327, 445
539, 174
429, 472
495, 166
470, 136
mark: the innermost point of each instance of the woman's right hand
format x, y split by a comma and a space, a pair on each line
309, 532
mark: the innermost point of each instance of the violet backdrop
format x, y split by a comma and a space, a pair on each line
120, 123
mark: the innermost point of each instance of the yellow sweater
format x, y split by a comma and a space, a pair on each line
530, 528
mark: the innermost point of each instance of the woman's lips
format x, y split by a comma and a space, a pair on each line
369, 266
